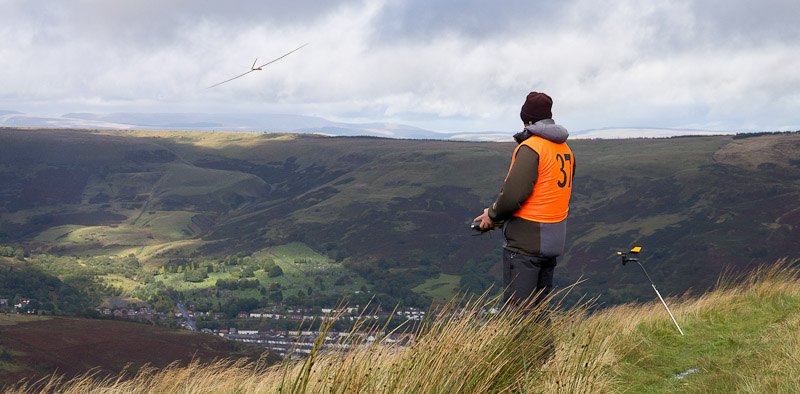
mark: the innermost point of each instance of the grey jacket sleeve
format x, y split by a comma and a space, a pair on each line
518, 185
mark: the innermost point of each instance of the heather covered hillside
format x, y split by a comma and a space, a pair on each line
393, 215
33, 347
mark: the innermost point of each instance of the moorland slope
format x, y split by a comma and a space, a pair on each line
33, 347
385, 208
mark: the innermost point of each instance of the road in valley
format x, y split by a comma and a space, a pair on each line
186, 316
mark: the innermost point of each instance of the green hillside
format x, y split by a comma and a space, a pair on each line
697, 205
394, 214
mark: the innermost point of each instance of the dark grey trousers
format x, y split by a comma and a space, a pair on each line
526, 277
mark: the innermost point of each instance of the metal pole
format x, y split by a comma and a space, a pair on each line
668, 311
659, 296
627, 259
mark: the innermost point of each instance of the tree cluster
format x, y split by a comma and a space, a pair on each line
15, 251
47, 292
236, 284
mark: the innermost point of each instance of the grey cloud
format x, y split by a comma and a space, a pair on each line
703, 25
477, 19
153, 23
755, 22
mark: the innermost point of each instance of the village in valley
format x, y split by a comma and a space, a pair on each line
236, 299
294, 343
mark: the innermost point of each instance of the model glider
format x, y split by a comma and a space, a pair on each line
254, 68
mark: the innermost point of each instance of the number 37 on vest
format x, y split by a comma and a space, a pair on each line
549, 202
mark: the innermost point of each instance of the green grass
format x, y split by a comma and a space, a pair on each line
176, 281
737, 345
644, 227
296, 276
154, 233
314, 267
444, 287
53, 234
185, 180
266, 280
295, 251
172, 225
6, 360
7, 365
123, 236
119, 281
14, 319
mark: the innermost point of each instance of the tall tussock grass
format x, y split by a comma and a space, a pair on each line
465, 348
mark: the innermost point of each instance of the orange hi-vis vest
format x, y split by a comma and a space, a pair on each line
549, 202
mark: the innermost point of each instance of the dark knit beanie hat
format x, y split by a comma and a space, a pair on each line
537, 107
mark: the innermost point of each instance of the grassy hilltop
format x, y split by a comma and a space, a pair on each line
393, 214
740, 337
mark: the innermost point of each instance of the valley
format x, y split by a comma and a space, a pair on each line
379, 218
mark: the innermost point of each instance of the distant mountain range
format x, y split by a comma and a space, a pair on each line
272, 123
285, 123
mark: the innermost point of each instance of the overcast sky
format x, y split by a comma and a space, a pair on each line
448, 65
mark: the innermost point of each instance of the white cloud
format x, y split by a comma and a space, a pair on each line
451, 65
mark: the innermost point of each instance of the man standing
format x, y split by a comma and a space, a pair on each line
533, 203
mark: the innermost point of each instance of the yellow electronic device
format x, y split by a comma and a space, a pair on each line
634, 251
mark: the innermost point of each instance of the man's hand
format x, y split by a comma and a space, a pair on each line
486, 223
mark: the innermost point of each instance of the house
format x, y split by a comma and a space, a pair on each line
22, 304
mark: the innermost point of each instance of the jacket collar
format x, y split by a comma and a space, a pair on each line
545, 128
